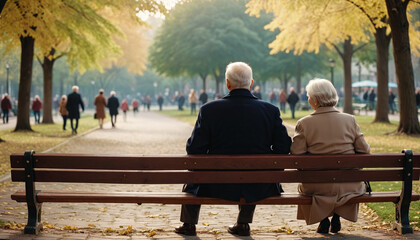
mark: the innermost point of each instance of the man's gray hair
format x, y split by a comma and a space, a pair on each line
239, 75
323, 91
75, 88
112, 93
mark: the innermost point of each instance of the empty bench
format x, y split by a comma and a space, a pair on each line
179, 169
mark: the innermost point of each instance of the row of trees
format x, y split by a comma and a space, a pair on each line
86, 32
203, 44
341, 24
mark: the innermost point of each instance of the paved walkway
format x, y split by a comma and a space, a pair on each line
152, 133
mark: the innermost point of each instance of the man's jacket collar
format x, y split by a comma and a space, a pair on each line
242, 92
322, 110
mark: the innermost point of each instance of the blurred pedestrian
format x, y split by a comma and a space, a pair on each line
391, 101
36, 108
124, 108
181, 100
203, 97
192, 99
272, 97
160, 102
283, 100
418, 97
63, 110
6, 106
366, 95
73, 101
135, 105
113, 105
148, 102
292, 99
100, 104
372, 98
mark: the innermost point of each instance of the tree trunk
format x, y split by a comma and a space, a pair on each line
298, 75
346, 57
285, 81
27, 57
204, 78
47, 68
397, 11
382, 46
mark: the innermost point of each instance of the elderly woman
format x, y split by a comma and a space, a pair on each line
328, 131
100, 104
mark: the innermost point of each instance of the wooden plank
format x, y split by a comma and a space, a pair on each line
180, 177
186, 198
178, 162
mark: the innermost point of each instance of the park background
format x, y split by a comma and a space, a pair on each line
152, 48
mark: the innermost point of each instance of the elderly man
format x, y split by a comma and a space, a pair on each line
73, 101
239, 123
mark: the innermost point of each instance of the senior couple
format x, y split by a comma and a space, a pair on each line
240, 123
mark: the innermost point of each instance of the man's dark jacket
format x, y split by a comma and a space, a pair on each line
238, 123
73, 101
113, 105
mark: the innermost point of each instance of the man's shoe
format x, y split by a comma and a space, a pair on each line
186, 229
240, 229
323, 226
335, 223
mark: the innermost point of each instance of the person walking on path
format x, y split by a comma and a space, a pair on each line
148, 102
6, 106
160, 102
124, 108
73, 101
135, 105
203, 97
63, 110
292, 99
181, 100
36, 108
192, 99
418, 97
391, 101
257, 92
100, 104
313, 135
226, 130
272, 97
283, 100
113, 105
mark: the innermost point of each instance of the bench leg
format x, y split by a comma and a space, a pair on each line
34, 225
402, 207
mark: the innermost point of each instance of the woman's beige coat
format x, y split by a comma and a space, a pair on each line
100, 104
327, 131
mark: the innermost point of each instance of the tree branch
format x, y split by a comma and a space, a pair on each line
338, 50
363, 10
359, 47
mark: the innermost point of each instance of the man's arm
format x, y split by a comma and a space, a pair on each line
199, 141
281, 140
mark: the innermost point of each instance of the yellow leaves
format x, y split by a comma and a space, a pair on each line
151, 233
71, 228
91, 226
206, 224
109, 230
126, 231
286, 230
306, 24
158, 216
213, 213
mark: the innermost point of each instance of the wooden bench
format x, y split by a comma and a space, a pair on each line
174, 169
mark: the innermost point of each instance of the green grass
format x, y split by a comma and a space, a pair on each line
43, 137
380, 141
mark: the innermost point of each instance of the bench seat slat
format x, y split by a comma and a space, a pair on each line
180, 177
186, 198
178, 162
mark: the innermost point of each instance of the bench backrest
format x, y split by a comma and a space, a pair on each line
173, 169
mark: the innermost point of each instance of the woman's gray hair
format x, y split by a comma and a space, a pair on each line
323, 91
239, 75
